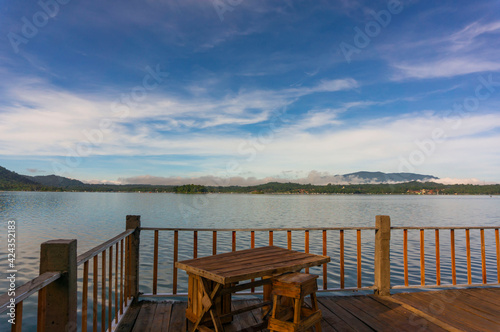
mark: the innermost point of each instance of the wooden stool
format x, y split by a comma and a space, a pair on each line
294, 287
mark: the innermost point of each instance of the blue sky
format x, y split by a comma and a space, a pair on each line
242, 92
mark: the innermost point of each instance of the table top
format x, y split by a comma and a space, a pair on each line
250, 263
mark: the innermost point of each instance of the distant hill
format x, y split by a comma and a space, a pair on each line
55, 181
12, 181
380, 177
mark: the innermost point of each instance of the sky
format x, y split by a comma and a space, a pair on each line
243, 92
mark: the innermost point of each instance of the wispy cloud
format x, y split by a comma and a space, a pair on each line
459, 53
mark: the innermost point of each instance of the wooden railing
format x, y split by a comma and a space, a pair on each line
453, 265
115, 275
115, 266
172, 234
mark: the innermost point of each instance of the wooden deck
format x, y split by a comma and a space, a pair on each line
476, 309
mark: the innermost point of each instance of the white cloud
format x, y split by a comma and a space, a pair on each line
447, 55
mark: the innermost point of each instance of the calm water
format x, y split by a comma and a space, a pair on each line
92, 218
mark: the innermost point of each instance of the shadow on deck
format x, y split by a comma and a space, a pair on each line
476, 309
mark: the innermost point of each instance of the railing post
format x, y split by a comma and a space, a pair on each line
61, 295
134, 222
383, 256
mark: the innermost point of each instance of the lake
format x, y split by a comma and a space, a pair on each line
92, 218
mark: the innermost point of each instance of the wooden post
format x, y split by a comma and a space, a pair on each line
134, 222
61, 295
383, 256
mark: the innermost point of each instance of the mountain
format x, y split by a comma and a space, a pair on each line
380, 177
12, 181
55, 181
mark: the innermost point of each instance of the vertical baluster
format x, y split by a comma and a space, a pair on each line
130, 295
453, 265
103, 291
155, 262
121, 277
358, 241
405, 255
85, 294
497, 238
325, 274
467, 241
483, 256
342, 284
422, 258
95, 281
110, 288
116, 283
289, 239
271, 238
438, 260
195, 244
214, 243
18, 326
233, 246
42, 307
306, 246
176, 256
252, 245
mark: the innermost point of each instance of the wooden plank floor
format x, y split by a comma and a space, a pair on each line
475, 309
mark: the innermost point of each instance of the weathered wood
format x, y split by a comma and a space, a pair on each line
453, 264
180, 229
438, 259
358, 257
483, 257
103, 291
497, 240
214, 242
134, 222
155, 262
195, 244
342, 268
422, 257
176, 257
233, 242
116, 284
42, 310
127, 322
97, 250
405, 255
467, 242
145, 317
95, 281
121, 277
110, 288
270, 238
18, 326
224, 272
61, 295
85, 291
29, 288
382, 256
252, 245
289, 239
325, 266
306, 246
450, 310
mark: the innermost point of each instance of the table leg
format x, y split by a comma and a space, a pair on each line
208, 304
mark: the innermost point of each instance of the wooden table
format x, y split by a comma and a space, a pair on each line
212, 279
